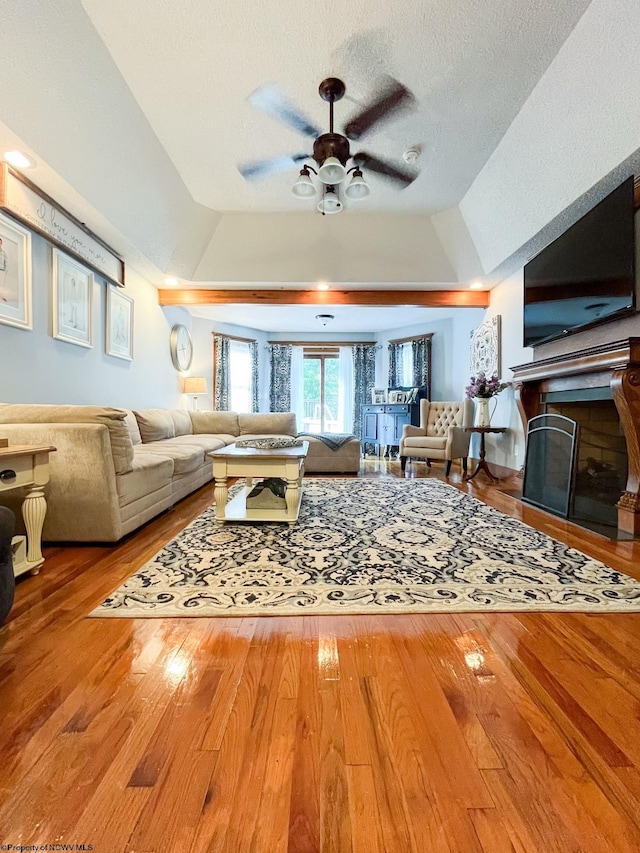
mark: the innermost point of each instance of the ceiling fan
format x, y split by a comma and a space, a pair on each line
331, 151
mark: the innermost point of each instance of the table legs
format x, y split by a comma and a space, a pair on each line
34, 509
482, 465
221, 495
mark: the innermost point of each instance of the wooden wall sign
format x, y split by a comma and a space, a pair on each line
29, 204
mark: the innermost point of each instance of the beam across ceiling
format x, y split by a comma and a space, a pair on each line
422, 298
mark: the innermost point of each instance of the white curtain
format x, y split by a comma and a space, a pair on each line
297, 385
407, 365
345, 391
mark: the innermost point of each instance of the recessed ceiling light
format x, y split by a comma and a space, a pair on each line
17, 159
322, 286
171, 281
476, 285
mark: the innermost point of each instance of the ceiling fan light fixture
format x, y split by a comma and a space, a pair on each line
330, 203
332, 171
358, 188
304, 186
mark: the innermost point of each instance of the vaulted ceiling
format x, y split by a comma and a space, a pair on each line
136, 114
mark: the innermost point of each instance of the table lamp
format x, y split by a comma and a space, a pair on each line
195, 385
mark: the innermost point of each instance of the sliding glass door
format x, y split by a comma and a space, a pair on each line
321, 370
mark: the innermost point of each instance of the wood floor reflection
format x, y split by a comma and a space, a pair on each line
473, 733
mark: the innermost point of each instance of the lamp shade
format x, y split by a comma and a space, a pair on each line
332, 171
358, 188
330, 203
304, 186
195, 385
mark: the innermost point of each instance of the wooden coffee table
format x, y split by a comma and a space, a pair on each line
250, 462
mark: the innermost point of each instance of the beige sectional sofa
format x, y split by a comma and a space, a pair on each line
115, 469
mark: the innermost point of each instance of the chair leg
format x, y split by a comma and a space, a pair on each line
447, 468
403, 463
464, 464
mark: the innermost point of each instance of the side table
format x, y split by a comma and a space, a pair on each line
482, 465
26, 467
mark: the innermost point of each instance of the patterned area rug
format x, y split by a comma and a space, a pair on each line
370, 546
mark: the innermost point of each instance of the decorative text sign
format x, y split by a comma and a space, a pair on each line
33, 207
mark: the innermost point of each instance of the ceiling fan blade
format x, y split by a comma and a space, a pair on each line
393, 97
272, 100
263, 168
381, 167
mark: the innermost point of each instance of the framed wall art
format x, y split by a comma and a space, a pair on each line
378, 396
15, 274
485, 348
119, 331
72, 300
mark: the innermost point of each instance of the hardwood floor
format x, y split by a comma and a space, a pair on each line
471, 733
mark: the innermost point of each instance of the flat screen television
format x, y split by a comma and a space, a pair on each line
586, 276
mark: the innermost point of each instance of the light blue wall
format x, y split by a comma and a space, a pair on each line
37, 368
449, 352
202, 332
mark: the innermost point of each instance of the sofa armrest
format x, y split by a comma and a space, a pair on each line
457, 443
408, 430
82, 499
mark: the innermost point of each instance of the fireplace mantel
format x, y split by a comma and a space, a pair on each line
616, 365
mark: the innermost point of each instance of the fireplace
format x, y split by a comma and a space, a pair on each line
577, 464
598, 390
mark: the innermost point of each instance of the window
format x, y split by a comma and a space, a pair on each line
406, 365
321, 372
239, 376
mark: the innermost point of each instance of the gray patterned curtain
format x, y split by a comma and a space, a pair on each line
255, 386
422, 363
395, 365
221, 376
364, 378
280, 387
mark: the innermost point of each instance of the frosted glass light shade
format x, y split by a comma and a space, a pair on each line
358, 188
304, 186
330, 203
332, 171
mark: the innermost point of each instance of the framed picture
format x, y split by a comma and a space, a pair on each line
485, 348
378, 396
119, 332
72, 300
15, 274
397, 397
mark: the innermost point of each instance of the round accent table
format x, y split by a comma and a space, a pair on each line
482, 465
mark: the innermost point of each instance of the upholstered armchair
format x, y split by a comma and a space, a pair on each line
441, 433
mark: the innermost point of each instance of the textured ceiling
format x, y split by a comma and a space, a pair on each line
191, 66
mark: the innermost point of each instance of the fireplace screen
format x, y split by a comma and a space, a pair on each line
549, 465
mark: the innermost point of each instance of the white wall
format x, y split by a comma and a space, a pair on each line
37, 368
507, 300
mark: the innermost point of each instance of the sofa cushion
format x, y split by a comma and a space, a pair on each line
432, 442
182, 421
113, 419
206, 442
215, 423
267, 423
155, 424
132, 426
186, 457
149, 473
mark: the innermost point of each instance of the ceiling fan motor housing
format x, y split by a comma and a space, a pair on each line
331, 145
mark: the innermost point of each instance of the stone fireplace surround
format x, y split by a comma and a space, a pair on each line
616, 365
